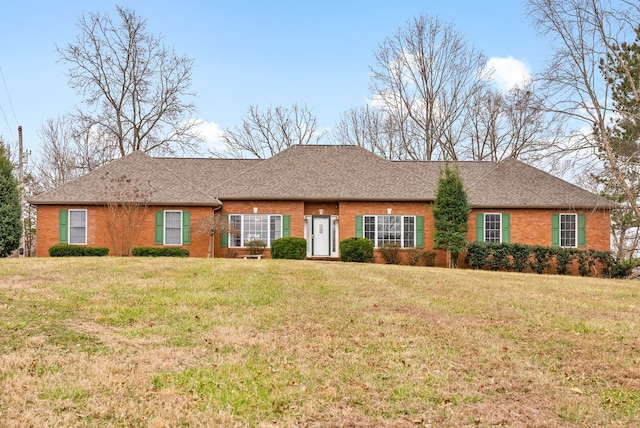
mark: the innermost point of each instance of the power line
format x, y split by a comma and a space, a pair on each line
6, 89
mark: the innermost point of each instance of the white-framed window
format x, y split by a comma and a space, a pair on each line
173, 228
390, 229
249, 227
569, 230
78, 227
492, 227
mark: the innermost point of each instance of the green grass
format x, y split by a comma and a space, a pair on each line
192, 342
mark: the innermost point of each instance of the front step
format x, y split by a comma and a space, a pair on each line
324, 259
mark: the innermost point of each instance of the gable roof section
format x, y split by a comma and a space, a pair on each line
325, 173
517, 185
317, 173
162, 186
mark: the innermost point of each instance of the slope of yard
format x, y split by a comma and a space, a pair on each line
166, 342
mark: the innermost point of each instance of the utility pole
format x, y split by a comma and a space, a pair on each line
23, 157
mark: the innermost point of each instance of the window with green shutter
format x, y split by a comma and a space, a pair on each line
407, 231
568, 230
173, 227
250, 227
493, 227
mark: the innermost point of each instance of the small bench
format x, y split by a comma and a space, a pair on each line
251, 256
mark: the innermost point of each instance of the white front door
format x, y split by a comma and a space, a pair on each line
321, 236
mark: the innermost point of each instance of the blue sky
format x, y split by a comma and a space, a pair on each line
278, 52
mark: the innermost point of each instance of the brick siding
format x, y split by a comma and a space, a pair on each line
528, 226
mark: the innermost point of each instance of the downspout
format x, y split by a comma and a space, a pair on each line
211, 240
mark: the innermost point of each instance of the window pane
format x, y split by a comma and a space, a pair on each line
567, 230
492, 227
173, 227
409, 232
77, 227
275, 226
255, 227
370, 228
389, 229
235, 230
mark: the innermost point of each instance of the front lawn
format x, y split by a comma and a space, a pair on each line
197, 342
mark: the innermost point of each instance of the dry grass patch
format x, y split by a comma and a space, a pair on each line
166, 342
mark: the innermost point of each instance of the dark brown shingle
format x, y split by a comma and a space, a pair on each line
326, 172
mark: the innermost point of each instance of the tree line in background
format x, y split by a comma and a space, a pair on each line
431, 98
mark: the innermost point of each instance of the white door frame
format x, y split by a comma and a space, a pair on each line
319, 244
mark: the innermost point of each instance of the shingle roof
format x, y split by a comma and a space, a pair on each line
158, 184
326, 172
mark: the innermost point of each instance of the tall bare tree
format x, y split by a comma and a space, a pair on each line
513, 124
133, 87
428, 73
67, 153
265, 133
585, 32
372, 129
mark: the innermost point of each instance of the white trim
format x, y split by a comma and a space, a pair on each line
232, 238
86, 218
402, 225
164, 227
575, 230
484, 227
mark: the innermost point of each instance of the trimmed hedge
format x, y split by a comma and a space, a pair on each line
358, 250
159, 252
77, 251
537, 258
289, 248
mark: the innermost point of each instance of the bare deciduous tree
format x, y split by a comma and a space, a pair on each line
427, 73
262, 134
126, 207
372, 129
514, 124
132, 85
215, 223
66, 153
585, 32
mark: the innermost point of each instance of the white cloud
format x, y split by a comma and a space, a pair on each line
212, 135
507, 72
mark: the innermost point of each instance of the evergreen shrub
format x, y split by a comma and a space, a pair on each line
77, 251
159, 252
289, 248
359, 250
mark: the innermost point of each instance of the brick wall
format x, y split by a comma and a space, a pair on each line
97, 233
293, 208
528, 226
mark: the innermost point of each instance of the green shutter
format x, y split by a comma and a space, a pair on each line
582, 230
480, 227
286, 226
159, 227
359, 226
506, 228
186, 227
224, 237
555, 230
420, 231
63, 227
